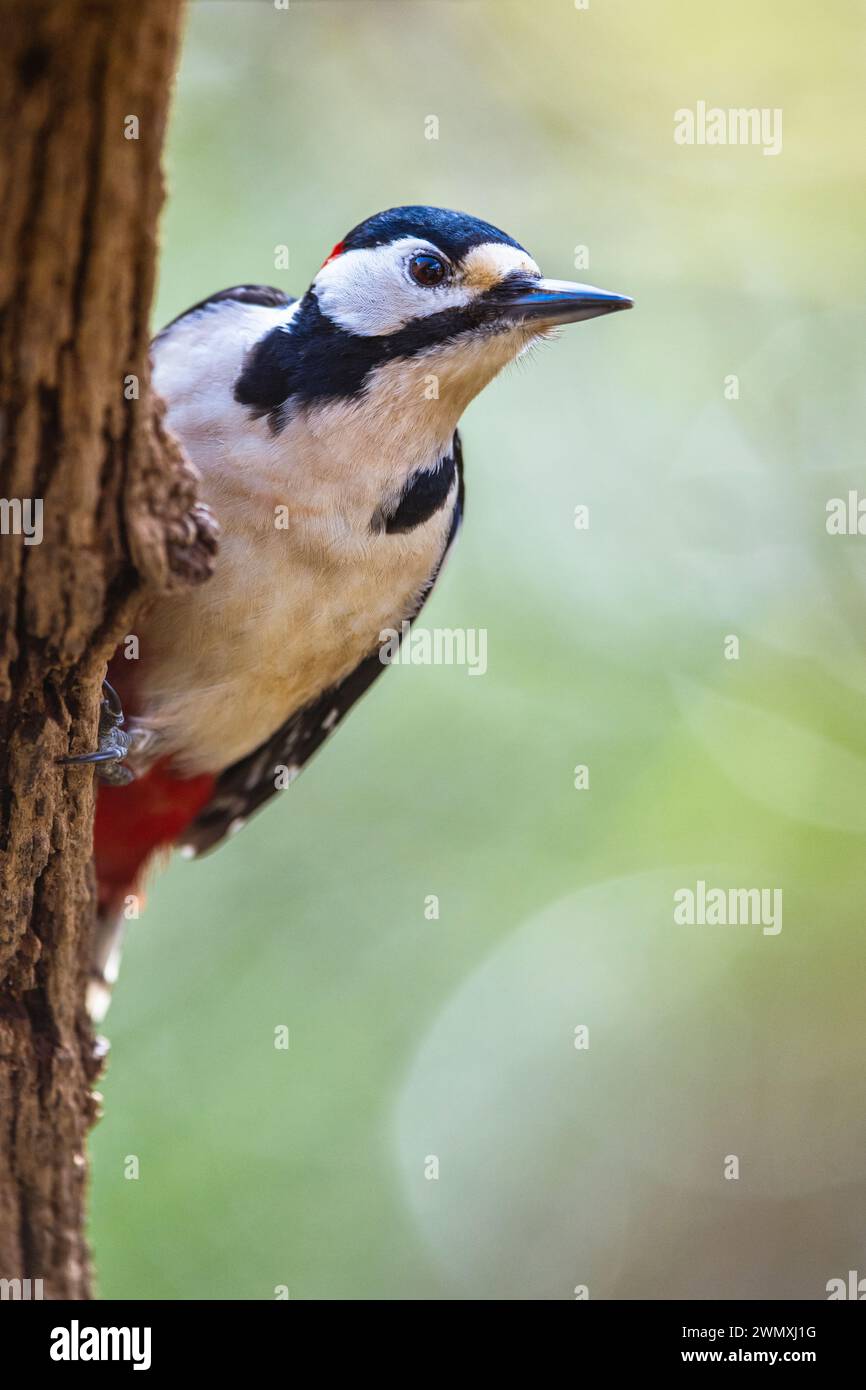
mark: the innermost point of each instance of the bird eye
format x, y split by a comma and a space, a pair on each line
427, 269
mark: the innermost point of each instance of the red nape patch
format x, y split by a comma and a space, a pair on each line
337, 251
135, 821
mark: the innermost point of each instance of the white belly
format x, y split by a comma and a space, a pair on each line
223, 666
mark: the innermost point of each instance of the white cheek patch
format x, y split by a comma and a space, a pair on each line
370, 292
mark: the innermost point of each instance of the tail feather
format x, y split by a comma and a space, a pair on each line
105, 960
133, 823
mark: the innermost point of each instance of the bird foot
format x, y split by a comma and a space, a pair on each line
113, 743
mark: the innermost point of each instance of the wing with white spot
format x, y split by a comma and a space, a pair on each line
253, 780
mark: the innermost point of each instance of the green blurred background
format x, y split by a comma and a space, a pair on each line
454, 1038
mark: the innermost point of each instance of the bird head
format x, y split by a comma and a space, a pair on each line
438, 293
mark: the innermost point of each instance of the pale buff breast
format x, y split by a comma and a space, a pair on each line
223, 666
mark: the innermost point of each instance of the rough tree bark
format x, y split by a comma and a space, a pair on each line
80, 201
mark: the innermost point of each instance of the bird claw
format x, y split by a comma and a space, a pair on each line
113, 743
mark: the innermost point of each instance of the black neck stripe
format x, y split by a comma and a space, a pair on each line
425, 493
312, 358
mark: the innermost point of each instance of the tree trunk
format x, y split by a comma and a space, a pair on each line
85, 88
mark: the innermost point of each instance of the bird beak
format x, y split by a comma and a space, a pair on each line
545, 303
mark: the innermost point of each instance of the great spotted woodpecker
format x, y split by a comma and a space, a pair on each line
337, 413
